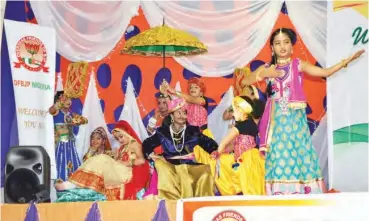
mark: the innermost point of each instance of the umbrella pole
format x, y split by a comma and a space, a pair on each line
163, 56
163, 46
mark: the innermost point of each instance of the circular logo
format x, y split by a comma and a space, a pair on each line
31, 53
229, 215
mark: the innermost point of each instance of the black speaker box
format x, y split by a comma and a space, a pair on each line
27, 175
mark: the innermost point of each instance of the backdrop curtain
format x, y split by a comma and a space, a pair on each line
85, 30
310, 21
320, 143
93, 112
234, 31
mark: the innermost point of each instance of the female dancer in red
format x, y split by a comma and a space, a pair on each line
120, 178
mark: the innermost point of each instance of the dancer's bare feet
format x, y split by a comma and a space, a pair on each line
333, 191
151, 197
60, 186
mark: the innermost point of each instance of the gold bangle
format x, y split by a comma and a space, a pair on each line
178, 93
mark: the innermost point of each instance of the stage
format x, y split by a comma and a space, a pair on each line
134, 210
335, 206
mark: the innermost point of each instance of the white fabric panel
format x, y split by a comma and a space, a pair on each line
310, 21
234, 31
99, 25
347, 92
178, 86
93, 112
217, 125
131, 113
320, 142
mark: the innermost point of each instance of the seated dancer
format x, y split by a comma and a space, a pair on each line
250, 91
161, 117
118, 179
67, 160
179, 175
99, 144
243, 171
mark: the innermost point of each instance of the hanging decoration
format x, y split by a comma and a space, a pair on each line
76, 76
239, 75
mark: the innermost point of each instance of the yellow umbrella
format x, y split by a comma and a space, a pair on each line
164, 41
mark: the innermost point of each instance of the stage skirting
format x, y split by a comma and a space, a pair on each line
130, 210
322, 207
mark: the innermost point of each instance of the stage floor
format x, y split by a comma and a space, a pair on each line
335, 206
130, 210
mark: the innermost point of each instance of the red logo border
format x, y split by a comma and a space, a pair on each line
44, 54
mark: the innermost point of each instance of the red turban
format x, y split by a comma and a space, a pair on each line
198, 82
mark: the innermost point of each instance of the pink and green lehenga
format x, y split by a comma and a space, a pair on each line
291, 161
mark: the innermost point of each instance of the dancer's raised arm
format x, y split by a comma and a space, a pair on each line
326, 72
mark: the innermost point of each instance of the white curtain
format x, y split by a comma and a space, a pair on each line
131, 113
320, 142
217, 125
93, 112
234, 31
310, 21
178, 86
85, 30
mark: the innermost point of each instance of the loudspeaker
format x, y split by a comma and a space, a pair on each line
27, 175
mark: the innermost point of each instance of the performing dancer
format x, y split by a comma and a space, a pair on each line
179, 175
118, 179
67, 160
99, 144
242, 170
291, 160
197, 105
160, 113
161, 117
250, 91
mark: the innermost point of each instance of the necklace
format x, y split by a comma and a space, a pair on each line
179, 150
180, 130
122, 151
67, 116
283, 61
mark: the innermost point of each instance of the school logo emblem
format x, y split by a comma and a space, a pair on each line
229, 215
31, 54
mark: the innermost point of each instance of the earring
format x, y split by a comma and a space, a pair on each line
272, 53
171, 120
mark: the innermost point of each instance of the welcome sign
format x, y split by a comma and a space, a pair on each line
323, 207
32, 54
347, 93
